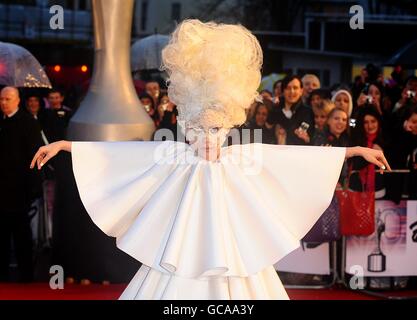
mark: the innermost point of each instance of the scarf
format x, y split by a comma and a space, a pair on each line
367, 174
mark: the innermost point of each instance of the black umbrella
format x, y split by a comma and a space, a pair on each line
405, 57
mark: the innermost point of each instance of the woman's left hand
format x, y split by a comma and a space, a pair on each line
374, 156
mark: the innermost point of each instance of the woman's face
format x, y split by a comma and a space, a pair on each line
277, 90
370, 124
261, 115
375, 93
206, 141
153, 89
342, 101
337, 122
412, 121
207, 134
315, 101
309, 85
293, 91
320, 119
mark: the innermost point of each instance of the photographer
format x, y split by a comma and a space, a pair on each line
167, 113
407, 101
371, 95
408, 95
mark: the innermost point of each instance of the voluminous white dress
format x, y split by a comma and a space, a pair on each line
201, 229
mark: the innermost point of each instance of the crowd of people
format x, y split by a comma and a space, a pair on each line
371, 112
25, 125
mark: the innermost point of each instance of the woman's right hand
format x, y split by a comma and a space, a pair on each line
45, 153
361, 99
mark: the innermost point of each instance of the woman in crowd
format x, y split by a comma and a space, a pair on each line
149, 105
310, 82
367, 133
258, 123
277, 91
337, 135
403, 154
317, 96
371, 95
167, 113
337, 124
343, 99
321, 114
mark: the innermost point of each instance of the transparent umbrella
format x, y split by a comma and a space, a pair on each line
146, 52
267, 82
19, 68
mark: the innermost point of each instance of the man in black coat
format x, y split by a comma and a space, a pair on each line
45, 117
19, 139
62, 114
292, 114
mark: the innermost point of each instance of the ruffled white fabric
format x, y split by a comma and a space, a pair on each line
149, 284
217, 223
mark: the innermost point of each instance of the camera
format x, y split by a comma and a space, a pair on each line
304, 126
410, 94
352, 123
369, 99
147, 107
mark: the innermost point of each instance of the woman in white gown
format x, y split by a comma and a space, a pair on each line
206, 221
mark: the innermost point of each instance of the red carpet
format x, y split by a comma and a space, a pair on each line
41, 291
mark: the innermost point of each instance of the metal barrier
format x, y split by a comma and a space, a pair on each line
339, 276
333, 272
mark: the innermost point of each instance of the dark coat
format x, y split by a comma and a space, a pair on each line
301, 113
342, 141
268, 135
19, 140
61, 119
359, 163
49, 124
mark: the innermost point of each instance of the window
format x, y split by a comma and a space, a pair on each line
144, 15
19, 2
176, 11
82, 5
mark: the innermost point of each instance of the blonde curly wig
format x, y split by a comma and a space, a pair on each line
214, 72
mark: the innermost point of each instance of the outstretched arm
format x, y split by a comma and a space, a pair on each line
371, 155
47, 152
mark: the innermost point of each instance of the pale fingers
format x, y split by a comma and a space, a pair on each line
379, 164
35, 158
39, 161
46, 159
384, 160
